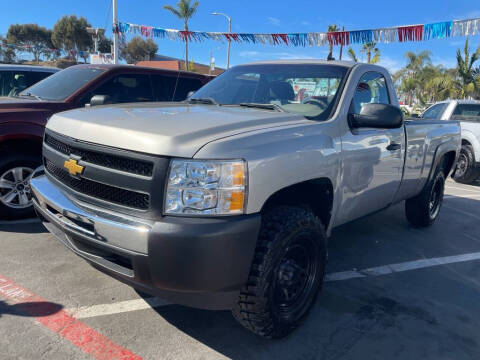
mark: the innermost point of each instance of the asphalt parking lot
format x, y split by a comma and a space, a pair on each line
393, 292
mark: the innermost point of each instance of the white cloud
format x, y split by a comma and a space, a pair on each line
390, 64
274, 21
305, 23
249, 54
285, 55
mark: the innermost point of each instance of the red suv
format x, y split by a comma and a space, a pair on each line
23, 117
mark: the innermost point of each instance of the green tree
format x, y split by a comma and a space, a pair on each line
185, 11
7, 55
469, 81
105, 45
70, 33
352, 55
138, 49
331, 28
31, 37
368, 49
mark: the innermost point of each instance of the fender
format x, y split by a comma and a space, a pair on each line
441, 150
21, 130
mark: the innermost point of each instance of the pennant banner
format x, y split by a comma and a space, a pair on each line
407, 33
45, 50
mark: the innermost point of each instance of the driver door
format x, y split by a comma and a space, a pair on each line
372, 158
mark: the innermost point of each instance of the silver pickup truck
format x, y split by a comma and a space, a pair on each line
226, 201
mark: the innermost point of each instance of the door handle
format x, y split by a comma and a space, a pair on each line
394, 146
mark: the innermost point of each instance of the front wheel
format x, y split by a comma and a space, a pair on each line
15, 193
286, 274
423, 209
466, 172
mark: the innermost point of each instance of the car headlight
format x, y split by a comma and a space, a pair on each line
209, 187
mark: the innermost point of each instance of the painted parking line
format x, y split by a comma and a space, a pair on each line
52, 317
474, 190
142, 304
116, 308
400, 267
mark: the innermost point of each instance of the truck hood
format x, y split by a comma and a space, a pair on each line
171, 129
8, 104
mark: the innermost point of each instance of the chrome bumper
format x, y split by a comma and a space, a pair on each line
88, 222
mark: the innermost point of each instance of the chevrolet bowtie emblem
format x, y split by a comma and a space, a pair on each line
73, 167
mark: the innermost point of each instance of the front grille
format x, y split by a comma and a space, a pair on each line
121, 163
98, 190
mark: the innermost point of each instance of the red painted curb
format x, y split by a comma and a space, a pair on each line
79, 334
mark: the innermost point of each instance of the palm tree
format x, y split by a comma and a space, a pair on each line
469, 82
331, 28
352, 55
415, 62
184, 10
369, 48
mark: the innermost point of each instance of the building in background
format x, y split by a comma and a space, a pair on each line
166, 62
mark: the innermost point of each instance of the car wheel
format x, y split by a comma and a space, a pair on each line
286, 274
15, 193
466, 172
423, 209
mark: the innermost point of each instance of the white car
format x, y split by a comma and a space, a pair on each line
468, 113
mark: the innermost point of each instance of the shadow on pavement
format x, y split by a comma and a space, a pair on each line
30, 309
403, 315
23, 228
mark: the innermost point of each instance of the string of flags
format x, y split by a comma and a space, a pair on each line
419, 32
42, 49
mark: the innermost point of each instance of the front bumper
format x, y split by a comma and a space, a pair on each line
199, 262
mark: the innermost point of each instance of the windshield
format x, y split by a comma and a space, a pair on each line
62, 84
306, 89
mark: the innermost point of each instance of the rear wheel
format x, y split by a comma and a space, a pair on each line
423, 209
15, 193
286, 274
466, 172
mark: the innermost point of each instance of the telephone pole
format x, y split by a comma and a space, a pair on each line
115, 34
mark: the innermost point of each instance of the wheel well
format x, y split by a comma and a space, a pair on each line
465, 142
316, 194
25, 146
448, 162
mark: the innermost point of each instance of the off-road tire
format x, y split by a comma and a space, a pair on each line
256, 308
471, 172
13, 160
419, 209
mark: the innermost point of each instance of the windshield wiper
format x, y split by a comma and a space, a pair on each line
207, 100
27, 94
267, 106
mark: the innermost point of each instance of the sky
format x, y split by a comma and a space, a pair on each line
264, 16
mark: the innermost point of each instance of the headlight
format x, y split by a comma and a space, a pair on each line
210, 187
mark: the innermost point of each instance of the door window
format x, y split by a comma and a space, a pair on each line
435, 111
371, 89
125, 88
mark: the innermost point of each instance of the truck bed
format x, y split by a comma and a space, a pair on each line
423, 139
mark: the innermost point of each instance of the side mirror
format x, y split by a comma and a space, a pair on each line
382, 116
415, 116
190, 94
100, 100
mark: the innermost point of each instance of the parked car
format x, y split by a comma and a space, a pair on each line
226, 201
23, 118
16, 78
468, 113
